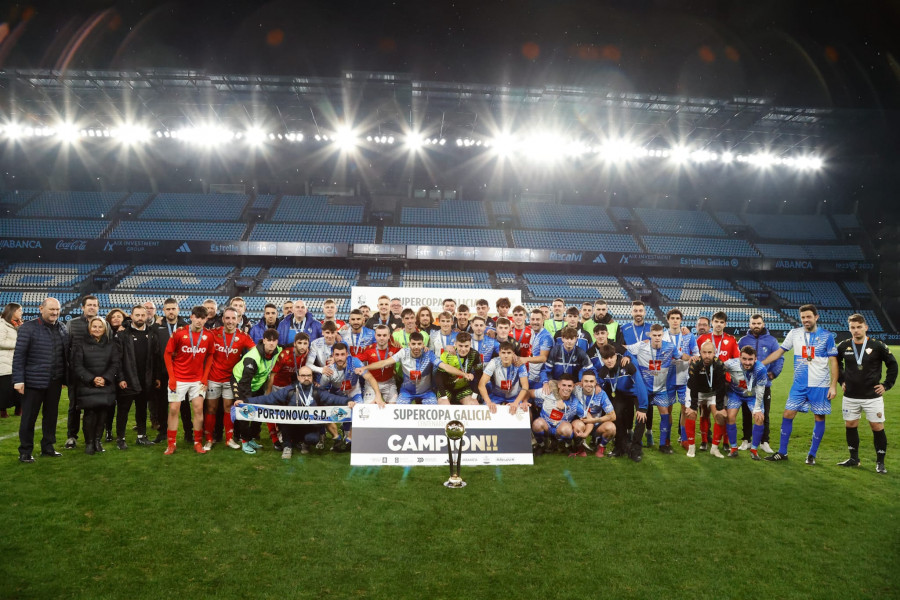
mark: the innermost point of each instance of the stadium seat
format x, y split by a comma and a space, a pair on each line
612, 242
678, 222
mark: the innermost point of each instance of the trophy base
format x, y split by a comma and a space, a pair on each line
455, 482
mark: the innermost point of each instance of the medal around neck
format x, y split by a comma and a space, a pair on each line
455, 431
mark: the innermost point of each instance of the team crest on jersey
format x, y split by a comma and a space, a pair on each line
203, 337
868, 351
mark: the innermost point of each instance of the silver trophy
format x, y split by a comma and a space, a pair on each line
455, 431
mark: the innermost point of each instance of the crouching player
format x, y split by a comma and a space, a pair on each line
339, 386
707, 386
599, 415
747, 386
301, 394
458, 390
418, 366
624, 384
558, 413
509, 382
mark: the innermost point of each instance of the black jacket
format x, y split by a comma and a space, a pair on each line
92, 359
161, 331
145, 379
36, 343
698, 382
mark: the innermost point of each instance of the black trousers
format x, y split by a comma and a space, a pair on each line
747, 418
9, 397
95, 423
73, 422
625, 405
294, 435
123, 408
44, 402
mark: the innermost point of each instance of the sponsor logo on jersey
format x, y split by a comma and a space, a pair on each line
192, 350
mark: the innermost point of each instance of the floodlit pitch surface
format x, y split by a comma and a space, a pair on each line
140, 524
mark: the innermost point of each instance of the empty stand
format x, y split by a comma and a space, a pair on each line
679, 222
445, 236
315, 209
72, 205
455, 213
612, 242
35, 228
583, 218
177, 230
217, 207
333, 234
725, 247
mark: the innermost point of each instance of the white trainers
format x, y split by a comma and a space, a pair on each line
233, 444
287, 453
765, 447
745, 445
304, 449
714, 451
692, 451
208, 445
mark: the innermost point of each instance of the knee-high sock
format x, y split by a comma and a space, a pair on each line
273, 432
560, 436
198, 435
690, 426
880, 445
665, 429
818, 432
732, 434
209, 425
787, 425
718, 432
229, 426
853, 442
704, 429
757, 435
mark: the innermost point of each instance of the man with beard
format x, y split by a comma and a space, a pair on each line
765, 344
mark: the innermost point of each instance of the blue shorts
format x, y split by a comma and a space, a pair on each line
733, 401
406, 397
663, 399
535, 385
806, 399
553, 428
502, 399
679, 392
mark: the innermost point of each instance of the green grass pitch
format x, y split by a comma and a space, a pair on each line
137, 524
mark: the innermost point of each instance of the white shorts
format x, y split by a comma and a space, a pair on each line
388, 392
185, 391
708, 399
873, 407
219, 389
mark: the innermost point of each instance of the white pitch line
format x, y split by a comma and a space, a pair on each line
36, 428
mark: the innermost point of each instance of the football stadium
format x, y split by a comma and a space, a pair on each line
269, 272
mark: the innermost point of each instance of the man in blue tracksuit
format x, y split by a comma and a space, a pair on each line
625, 387
759, 338
301, 320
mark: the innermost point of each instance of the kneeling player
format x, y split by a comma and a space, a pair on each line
509, 382
599, 415
457, 390
558, 411
747, 386
418, 366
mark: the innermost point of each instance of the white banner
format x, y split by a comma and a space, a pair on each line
291, 415
433, 298
413, 435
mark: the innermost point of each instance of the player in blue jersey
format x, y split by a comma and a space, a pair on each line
509, 382
340, 384
558, 411
686, 351
764, 343
584, 339
625, 386
357, 337
599, 414
747, 386
418, 365
564, 359
814, 387
484, 345
654, 360
638, 330
540, 343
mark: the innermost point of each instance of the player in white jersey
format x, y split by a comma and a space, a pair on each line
510, 383
814, 387
686, 351
444, 338
654, 361
747, 385
319, 358
558, 412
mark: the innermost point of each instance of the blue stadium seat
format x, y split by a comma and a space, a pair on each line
583, 218
445, 236
218, 207
19, 197
790, 227
380, 273
315, 209
454, 213
679, 222
177, 230
820, 293
612, 242
91, 205
725, 247
331, 234
36, 228
846, 221
184, 270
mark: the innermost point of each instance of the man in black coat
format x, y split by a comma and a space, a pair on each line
163, 331
139, 376
39, 369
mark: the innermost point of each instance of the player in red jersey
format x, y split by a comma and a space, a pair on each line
726, 348
329, 309
187, 355
521, 331
380, 350
230, 344
284, 372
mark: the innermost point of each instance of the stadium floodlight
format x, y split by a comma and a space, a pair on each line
679, 155
131, 134
415, 141
67, 132
13, 131
726, 157
255, 136
345, 138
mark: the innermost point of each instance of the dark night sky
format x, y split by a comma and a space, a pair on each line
800, 53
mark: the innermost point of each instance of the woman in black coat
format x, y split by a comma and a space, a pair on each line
96, 364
